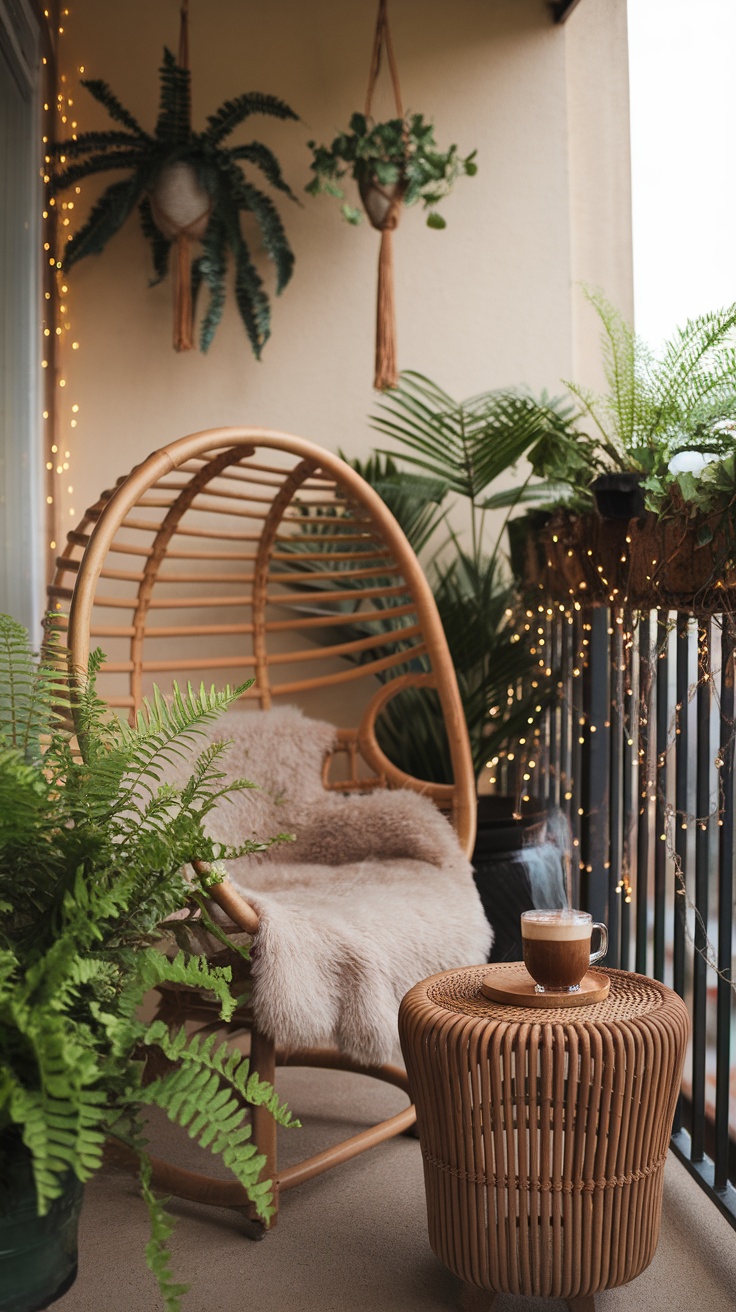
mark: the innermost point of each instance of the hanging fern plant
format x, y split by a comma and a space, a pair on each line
187, 186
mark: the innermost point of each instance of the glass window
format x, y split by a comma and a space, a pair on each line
21, 457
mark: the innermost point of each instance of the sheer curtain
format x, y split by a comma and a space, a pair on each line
21, 453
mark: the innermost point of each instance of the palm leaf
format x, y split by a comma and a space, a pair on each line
468, 444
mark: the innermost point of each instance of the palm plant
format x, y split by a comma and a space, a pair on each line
222, 193
464, 447
92, 850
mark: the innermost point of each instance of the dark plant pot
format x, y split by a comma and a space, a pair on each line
378, 200
618, 496
515, 868
38, 1254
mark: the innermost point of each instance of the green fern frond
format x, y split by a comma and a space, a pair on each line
251, 299
212, 267
173, 126
158, 1255
33, 694
107, 98
105, 219
256, 153
234, 112
86, 142
272, 232
87, 168
205, 1095
698, 361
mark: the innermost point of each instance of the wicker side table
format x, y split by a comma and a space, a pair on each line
544, 1133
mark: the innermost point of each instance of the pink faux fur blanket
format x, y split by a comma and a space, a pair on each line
374, 895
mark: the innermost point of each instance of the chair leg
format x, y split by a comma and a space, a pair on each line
582, 1303
263, 1060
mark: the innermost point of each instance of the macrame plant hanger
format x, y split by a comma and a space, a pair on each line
181, 211
383, 207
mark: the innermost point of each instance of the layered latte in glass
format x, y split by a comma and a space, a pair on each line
556, 947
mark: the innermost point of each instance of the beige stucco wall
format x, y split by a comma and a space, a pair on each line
491, 301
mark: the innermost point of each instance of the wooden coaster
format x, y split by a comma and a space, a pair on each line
515, 986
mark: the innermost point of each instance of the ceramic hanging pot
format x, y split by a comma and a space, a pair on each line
381, 203
180, 203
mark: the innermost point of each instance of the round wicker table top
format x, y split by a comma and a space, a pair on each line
631, 998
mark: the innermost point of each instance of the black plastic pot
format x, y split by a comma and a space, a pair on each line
516, 868
38, 1254
618, 496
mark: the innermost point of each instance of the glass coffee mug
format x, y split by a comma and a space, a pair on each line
557, 950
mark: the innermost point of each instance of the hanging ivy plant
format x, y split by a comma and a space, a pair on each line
400, 153
196, 175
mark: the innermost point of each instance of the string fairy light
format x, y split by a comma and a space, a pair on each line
61, 412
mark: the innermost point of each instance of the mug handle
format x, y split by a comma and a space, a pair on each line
602, 950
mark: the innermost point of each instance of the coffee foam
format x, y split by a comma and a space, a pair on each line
560, 930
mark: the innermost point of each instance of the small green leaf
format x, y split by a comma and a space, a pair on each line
705, 535
435, 220
351, 214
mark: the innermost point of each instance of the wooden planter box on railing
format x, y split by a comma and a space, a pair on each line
644, 563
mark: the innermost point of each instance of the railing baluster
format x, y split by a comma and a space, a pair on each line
682, 692
576, 750
615, 848
660, 836
725, 906
681, 797
565, 758
644, 777
702, 872
630, 738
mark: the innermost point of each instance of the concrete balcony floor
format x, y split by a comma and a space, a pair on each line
354, 1240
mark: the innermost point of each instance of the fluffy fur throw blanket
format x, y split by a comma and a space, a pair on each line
374, 895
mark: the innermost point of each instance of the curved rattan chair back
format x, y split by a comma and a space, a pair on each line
240, 553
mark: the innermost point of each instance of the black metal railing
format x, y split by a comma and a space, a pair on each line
639, 754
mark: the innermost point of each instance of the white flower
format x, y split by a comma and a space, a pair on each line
692, 462
724, 426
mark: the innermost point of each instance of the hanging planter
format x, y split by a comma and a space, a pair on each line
677, 564
190, 191
394, 163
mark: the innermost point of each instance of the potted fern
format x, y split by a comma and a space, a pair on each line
187, 187
92, 850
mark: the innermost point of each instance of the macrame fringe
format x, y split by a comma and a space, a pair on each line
387, 373
183, 308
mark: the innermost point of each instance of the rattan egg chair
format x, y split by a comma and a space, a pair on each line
238, 553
